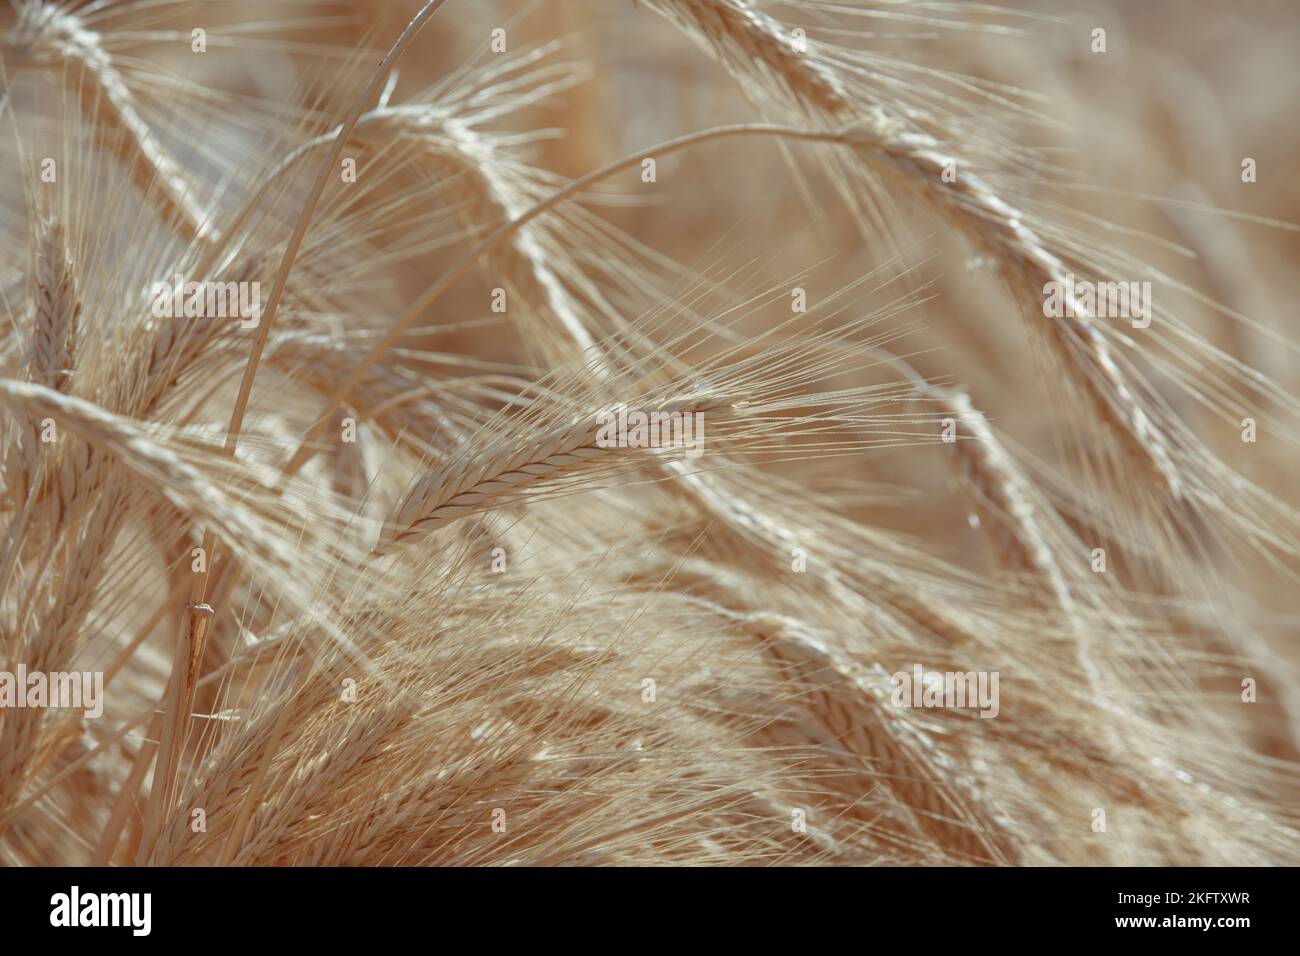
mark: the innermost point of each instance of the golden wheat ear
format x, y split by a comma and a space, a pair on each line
763, 400
901, 142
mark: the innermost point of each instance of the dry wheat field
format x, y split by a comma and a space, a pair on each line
671, 432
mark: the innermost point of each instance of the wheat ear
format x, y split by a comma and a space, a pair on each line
1005, 502
55, 488
48, 35
753, 46
1001, 494
853, 713
452, 148
503, 233
57, 309
502, 472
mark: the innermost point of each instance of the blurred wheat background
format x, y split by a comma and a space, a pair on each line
364, 590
